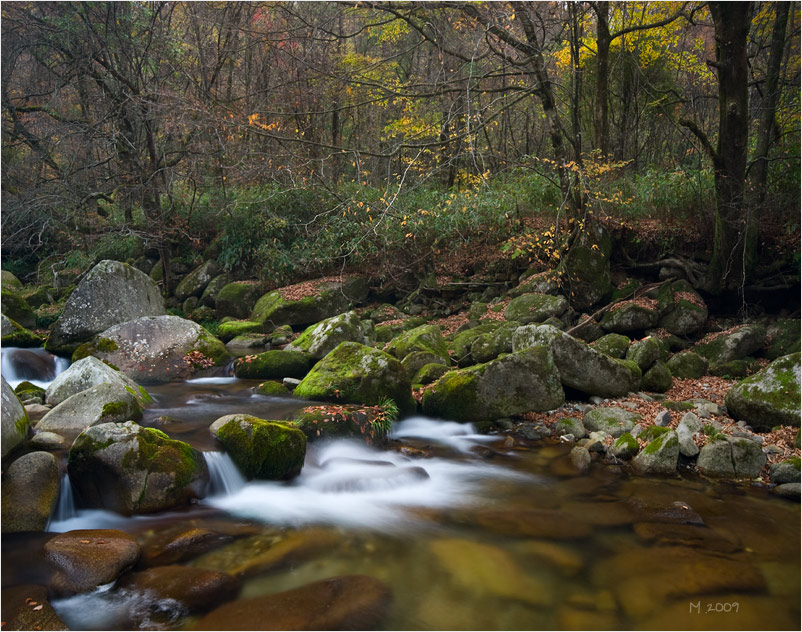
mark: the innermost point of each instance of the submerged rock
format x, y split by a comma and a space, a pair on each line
26, 607
30, 492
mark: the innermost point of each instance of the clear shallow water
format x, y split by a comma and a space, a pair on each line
469, 534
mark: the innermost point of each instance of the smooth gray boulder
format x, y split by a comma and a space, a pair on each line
629, 316
130, 469
535, 308
196, 281
732, 345
111, 293
770, 397
317, 340
613, 420
85, 374
15, 423
30, 492
581, 367
155, 350
99, 404
785, 472
731, 457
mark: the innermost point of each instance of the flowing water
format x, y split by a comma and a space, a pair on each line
469, 532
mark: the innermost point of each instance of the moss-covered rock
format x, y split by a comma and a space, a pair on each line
572, 426
733, 345
459, 346
491, 345
130, 469
355, 374
770, 397
657, 379
233, 328
427, 338
644, 352
613, 345
262, 449
585, 268
416, 360
625, 447
16, 308
782, 338
272, 388
317, 340
371, 423
270, 365
236, 299
540, 283
581, 367
384, 333
735, 369
101, 404
30, 492
429, 373
510, 385
15, 422
209, 296
787, 471
30, 393
9, 281
630, 316
687, 364
614, 421
15, 335
535, 308
687, 316
196, 281
660, 456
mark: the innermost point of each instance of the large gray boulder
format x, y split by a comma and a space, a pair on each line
613, 420
732, 345
629, 316
15, 423
355, 374
731, 457
130, 469
535, 308
686, 315
317, 340
659, 456
770, 397
159, 349
85, 374
111, 293
510, 385
30, 492
196, 281
104, 403
581, 367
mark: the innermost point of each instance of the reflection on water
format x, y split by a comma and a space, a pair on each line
34, 365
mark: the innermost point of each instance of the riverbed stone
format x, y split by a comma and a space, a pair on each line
687, 316
687, 364
208, 297
782, 338
580, 458
791, 491
535, 308
84, 559
272, 365
26, 607
657, 379
491, 345
510, 385
261, 449
85, 374
731, 457
659, 456
550, 524
735, 344
30, 492
625, 447
111, 293
427, 338
154, 350
629, 316
15, 335
612, 420
580, 366
355, 374
687, 445
196, 281
572, 426
131, 470
317, 340
236, 299
196, 589
104, 403
769, 398
15, 422
47, 441
644, 352
370, 423
29, 393
348, 602
785, 472
459, 345
613, 345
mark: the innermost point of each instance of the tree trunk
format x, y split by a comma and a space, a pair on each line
601, 118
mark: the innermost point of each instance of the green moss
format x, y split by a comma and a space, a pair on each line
272, 388
626, 443
276, 364
212, 348
428, 373
423, 338
664, 440
26, 388
233, 328
670, 404
795, 461
263, 449
613, 345
652, 432
454, 396
93, 347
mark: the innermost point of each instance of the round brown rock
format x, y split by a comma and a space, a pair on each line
85, 559
349, 602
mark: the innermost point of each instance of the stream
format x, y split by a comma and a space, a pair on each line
469, 531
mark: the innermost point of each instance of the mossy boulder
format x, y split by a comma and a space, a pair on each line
15, 307
111, 293
272, 388
9, 281
630, 316
769, 398
625, 447
687, 365
782, 338
687, 314
317, 340
370, 423
86, 373
101, 404
581, 367
613, 345
657, 379
535, 308
233, 328
196, 281
614, 421
209, 296
429, 373
489, 346
735, 344
416, 360
644, 352
510, 385
272, 365
585, 268
130, 469
15, 422
15, 335
236, 299
731, 457
29, 393
153, 350
355, 374
385, 332
459, 346
38, 296
427, 338
30, 492
262, 449
541, 283
659, 456
323, 299
572, 426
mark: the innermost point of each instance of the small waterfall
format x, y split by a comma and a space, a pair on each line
35, 365
65, 509
225, 477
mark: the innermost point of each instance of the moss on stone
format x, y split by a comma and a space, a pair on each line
652, 432
423, 338
27, 389
454, 395
272, 389
429, 373
97, 345
263, 449
665, 440
233, 328
275, 364
613, 345
670, 404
